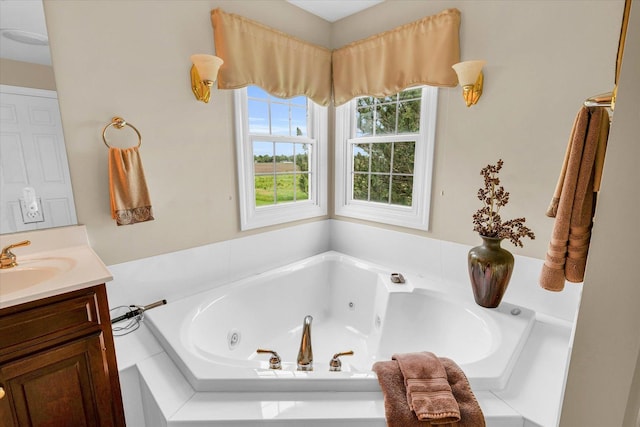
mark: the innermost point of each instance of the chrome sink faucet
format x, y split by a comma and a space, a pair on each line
7, 258
305, 354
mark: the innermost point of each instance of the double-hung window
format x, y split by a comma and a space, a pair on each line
384, 157
281, 150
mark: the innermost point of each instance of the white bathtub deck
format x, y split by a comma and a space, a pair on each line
530, 398
156, 394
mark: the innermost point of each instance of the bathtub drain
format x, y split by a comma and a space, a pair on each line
233, 338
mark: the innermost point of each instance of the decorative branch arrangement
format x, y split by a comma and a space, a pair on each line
487, 220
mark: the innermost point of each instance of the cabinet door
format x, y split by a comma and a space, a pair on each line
6, 414
64, 386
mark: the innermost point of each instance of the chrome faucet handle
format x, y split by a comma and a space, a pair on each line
335, 365
7, 258
274, 361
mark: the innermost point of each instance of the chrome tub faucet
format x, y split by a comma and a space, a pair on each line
305, 354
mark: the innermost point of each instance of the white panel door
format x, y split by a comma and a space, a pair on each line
33, 154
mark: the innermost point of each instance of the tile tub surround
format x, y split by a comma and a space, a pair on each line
176, 275
179, 274
446, 262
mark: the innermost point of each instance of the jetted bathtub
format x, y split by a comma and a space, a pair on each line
213, 336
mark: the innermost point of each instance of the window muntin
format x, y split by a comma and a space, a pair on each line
395, 114
383, 171
270, 115
384, 149
281, 172
281, 157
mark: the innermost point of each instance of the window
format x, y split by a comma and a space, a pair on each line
384, 157
281, 158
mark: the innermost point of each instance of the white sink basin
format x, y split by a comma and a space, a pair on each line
59, 260
31, 272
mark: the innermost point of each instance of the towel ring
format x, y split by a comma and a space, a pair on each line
119, 123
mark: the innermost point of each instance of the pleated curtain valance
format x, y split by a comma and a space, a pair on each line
420, 52
255, 54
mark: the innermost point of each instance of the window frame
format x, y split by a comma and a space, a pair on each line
417, 216
251, 216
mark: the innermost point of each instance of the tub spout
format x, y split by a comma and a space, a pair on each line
305, 355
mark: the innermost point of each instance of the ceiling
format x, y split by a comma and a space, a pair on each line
334, 10
27, 16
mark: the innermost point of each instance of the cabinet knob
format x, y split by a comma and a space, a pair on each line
2, 393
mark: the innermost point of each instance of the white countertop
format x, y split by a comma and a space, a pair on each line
66, 246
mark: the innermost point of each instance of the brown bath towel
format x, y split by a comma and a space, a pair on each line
130, 201
552, 210
567, 254
397, 410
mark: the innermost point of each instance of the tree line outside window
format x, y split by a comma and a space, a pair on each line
383, 170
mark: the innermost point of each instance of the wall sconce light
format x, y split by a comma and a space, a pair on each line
204, 72
471, 79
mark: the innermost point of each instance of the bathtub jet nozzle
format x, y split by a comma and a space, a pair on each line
305, 354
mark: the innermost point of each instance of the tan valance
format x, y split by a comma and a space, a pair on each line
255, 54
420, 52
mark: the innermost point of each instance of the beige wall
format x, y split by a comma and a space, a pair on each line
544, 58
131, 59
601, 381
24, 74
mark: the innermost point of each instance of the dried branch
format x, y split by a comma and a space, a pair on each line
487, 221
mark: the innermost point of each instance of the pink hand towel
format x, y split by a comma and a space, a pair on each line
429, 394
130, 202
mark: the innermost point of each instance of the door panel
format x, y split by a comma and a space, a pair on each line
33, 154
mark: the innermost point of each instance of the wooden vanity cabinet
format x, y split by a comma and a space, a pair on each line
57, 363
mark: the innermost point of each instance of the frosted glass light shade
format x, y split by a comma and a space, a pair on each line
207, 66
468, 71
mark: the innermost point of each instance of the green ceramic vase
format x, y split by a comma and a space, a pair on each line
490, 268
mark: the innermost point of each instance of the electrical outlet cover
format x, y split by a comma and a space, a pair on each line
28, 215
